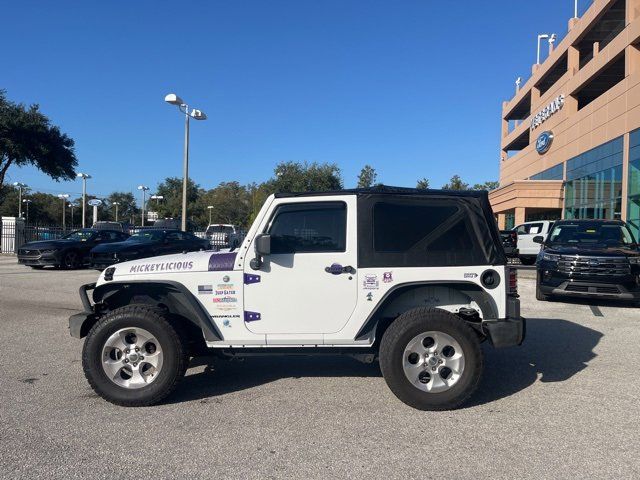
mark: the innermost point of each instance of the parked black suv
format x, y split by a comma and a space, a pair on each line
588, 258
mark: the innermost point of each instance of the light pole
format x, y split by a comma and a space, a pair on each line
173, 99
63, 197
71, 206
84, 177
144, 199
210, 208
20, 186
552, 40
115, 204
575, 8
26, 201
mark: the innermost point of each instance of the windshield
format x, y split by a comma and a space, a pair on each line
145, 236
591, 234
219, 229
80, 235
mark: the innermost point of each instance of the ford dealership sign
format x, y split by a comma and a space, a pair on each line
544, 141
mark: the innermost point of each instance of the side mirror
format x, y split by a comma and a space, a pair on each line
262, 245
538, 239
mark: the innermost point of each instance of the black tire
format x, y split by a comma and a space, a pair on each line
527, 260
411, 324
539, 295
70, 260
156, 322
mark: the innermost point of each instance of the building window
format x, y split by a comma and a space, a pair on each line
553, 173
509, 220
594, 183
633, 213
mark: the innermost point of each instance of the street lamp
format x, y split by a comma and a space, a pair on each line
84, 177
144, 199
63, 197
540, 37
27, 201
71, 206
173, 99
210, 208
20, 186
115, 204
552, 40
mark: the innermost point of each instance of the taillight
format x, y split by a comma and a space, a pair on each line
513, 282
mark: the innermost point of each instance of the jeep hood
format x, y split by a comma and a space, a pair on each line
178, 263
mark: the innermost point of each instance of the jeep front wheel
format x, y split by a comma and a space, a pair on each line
134, 356
431, 359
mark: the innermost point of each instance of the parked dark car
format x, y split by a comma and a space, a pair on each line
509, 242
588, 258
146, 243
70, 251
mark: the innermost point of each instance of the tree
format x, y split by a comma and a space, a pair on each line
27, 137
422, 184
127, 209
367, 177
231, 203
455, 183
44, 208
171, 205
490, 185
305, 177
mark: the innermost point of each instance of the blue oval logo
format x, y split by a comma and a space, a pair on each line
544, 141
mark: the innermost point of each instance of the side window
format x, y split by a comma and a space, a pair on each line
309, 227
108, 236
174, 236
535, 228
522, 229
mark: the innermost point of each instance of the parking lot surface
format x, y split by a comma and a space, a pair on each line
563, 405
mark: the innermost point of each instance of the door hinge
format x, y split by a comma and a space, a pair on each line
250, 278
251, 316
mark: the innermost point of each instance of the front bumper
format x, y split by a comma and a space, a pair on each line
509, 331
80, 323
41, 260
586, 289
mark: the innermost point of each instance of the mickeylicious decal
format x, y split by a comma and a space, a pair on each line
370, 282
162, 267
222, 261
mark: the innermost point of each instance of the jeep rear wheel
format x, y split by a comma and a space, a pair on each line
134, 356
431, 359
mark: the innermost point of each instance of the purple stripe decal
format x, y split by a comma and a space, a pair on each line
222, 261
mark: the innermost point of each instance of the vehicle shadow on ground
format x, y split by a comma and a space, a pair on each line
222, 376
595, 302
553, 351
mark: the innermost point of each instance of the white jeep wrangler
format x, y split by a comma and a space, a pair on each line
414, 278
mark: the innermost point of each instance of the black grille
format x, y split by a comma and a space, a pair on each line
605, 289
576, 266
28, 253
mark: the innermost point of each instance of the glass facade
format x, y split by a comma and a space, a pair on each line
594, 183
553, 173
633, 210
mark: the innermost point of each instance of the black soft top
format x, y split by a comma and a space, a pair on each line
389, 190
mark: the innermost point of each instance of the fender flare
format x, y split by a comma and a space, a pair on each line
473, 291
175, 295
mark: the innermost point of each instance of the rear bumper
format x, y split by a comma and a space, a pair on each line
509, 331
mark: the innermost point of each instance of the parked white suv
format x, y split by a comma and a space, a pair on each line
414, 278
223, 235
528, 249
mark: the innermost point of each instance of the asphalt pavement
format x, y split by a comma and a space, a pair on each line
563, 405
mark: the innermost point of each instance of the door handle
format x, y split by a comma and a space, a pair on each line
337, 269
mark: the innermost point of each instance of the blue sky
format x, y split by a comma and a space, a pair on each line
412, 87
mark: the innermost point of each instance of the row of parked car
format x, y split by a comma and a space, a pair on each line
99, 247
579, 258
